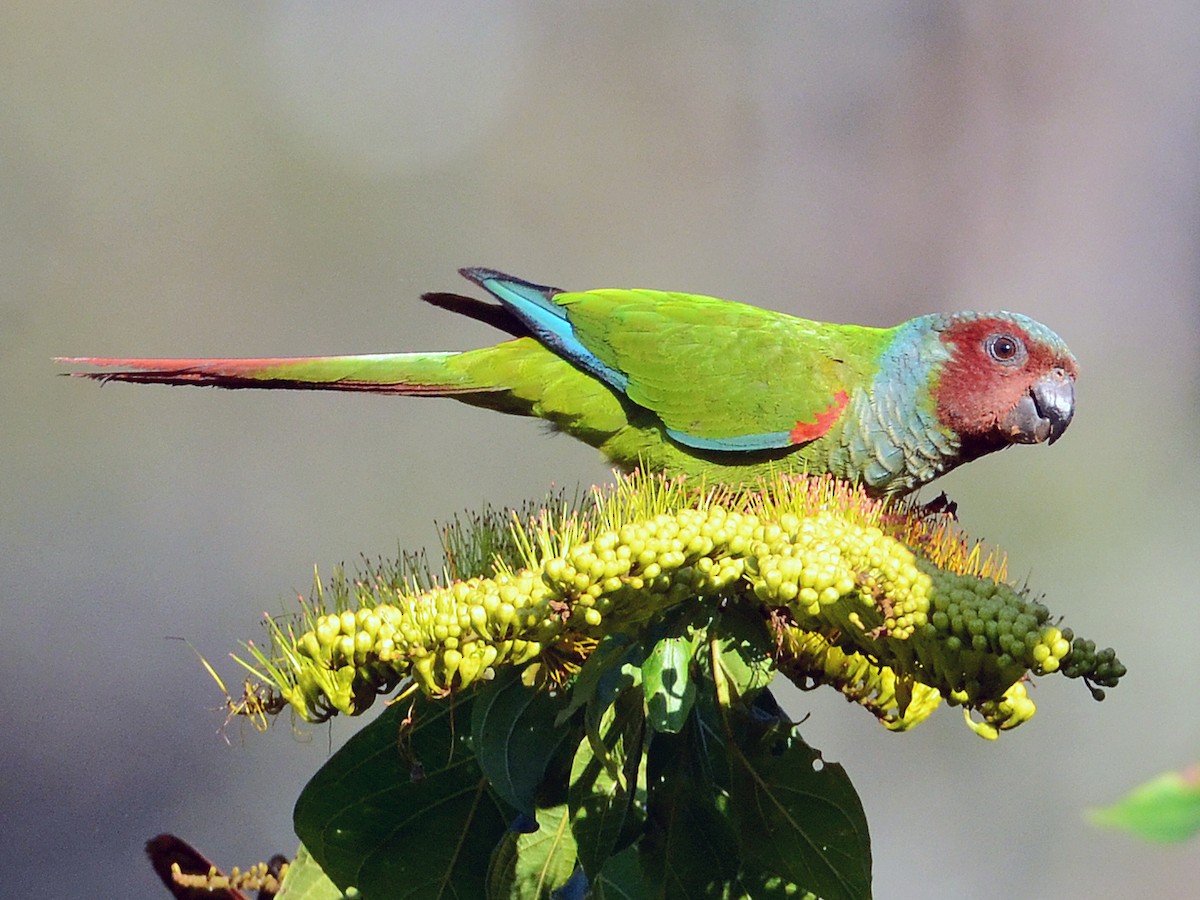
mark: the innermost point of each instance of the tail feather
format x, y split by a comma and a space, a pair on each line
385, 373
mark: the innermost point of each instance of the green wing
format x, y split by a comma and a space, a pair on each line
723, 375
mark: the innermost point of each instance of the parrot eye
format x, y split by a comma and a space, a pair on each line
1005, 348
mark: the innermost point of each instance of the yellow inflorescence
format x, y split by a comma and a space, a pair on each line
258, 877
829, 572
450, 636
808, 660
1002, 714
814, 565
888, 628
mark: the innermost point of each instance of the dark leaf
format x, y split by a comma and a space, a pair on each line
796, 816
514, 736
165, 850
690, 848
621, 878
369, 823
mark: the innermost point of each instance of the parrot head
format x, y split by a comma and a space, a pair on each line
1007, 380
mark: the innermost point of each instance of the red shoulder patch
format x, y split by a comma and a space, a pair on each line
803, 432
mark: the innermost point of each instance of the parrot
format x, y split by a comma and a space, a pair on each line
691, 385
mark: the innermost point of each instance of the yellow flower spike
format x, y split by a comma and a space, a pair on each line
833, 559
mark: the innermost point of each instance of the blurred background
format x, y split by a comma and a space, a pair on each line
285, 179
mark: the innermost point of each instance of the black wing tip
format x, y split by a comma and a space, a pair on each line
480, 274
498, 317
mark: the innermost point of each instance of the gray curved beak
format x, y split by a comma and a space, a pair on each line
1045, 412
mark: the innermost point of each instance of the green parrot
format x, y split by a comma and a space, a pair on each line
693, 385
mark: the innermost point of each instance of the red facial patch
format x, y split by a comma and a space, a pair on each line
976, 391
803, 432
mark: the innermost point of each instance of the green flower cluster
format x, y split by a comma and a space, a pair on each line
980, 637
1095, 667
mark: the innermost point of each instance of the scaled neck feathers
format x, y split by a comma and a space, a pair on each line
893, 440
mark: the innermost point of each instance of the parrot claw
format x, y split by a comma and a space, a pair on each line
941, 505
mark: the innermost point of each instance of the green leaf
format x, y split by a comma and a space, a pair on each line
403, 810
1165, 809
305, 880
514, 735
796, 816
604, 780
530, 866
667, 683
621, 878
736, 809
619, 683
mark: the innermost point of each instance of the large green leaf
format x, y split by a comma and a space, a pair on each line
796, 816
1165, 809
402, 810
530, 866
737, 808
514, 735
614, 665
744, 647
